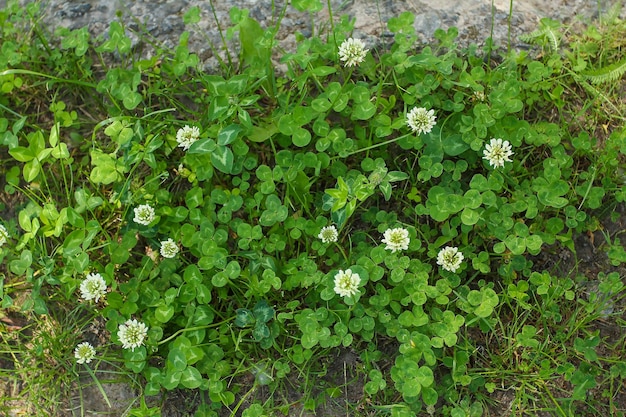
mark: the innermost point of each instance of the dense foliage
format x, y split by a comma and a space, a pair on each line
390, 200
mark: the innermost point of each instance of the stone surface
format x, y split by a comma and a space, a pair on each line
162, 20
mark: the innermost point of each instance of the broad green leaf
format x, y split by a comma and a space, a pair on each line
229, 134
164, 313
312, 6
244, 317
191, 378
31, 170
135, 359
176, 359
301, 137
222, 159
454, 145
263, 312
171, 379
363, 111
22, 154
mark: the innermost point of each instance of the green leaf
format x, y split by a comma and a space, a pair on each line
164, 313
71, 245
229, 134
19, 266
260, 332
218, 107
171, 379
105, 168
263, 312
192, 16
135, 360
22, 154
363, 111
255, 53
176, 359
220, 279
222, 159
31, 170
323, 70
202, 146
430, 396
194, 198
312, 6
393, 176
262, 133
191, 378
470, 217
454, 145
244, 317
301, 137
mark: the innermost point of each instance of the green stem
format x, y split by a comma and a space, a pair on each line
51, 77
390, 141
191, 329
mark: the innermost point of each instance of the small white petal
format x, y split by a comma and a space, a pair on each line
352, 52
169, 248
497, 152
421, 120
4, 235
186, 136
93, 287
84, 352
396, 239
450, 258
144, 214
328, 234
347, 283
132, 334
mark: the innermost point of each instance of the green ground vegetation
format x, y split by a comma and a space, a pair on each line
243, 307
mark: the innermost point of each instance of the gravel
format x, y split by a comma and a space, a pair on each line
505, 20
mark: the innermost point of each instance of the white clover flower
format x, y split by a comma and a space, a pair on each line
450, 258
497, 152
84, 352
4, 235
132, 334
169, 248
396, 239
328, 234
144, 214
186, 136
421, 120
347, 283
479, 96
93, 287
352, 52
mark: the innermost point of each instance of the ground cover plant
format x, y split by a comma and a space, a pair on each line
229, 236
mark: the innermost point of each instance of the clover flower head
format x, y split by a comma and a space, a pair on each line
4, 235
144, 214
328, 234
169, 248
497, 152
377, 176
347, 283
84, 352
479, 96
186, 136
132, 334
421, 120
93, 287
396, 239
352, 52
450, 258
